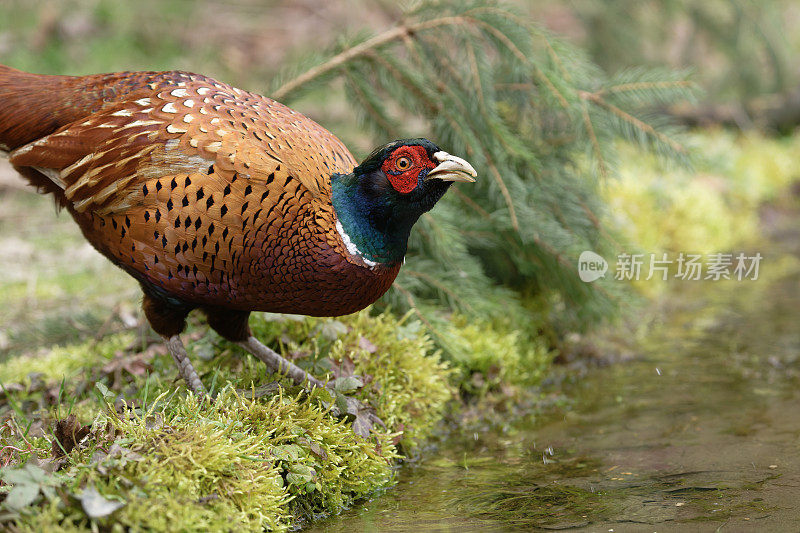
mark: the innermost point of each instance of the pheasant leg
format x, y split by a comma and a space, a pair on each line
364, 417
185, 368
280, 365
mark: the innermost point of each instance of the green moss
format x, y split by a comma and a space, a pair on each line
248, 461
490, 355
409, 382
63, 361
246, 464
234, 463
405, 380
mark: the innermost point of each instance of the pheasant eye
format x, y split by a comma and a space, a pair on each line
403, 163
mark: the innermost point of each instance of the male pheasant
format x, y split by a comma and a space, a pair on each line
218, 199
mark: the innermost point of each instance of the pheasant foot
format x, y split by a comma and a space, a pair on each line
364, 417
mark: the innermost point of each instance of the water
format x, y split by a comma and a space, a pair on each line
700, 431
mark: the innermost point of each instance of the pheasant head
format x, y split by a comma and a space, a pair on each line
377, 204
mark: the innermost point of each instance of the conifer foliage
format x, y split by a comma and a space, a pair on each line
536, 119
740, 49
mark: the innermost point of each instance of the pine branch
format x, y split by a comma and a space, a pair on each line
601, 163
645, 86
354, 52
627, 117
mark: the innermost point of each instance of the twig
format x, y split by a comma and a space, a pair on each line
470, 202
517, 52
103, 328
413, 304
376, 116
503, 189
644, 126
587, 120
341, 58
433, 281
644, 85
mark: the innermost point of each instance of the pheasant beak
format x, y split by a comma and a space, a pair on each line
451, 168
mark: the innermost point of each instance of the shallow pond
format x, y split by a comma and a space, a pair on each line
698, 431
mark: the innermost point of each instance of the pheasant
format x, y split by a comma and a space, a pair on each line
217, 199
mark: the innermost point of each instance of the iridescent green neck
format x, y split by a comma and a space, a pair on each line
372, 225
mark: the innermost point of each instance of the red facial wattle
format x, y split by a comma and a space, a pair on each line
404, 165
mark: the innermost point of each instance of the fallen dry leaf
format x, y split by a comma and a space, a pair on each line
343, 369
68, 433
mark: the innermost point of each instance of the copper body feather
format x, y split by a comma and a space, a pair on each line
216, 196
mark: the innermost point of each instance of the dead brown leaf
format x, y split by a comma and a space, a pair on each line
344, 368
315, 448
68, 433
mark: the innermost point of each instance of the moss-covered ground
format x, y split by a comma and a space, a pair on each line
105, 421
109, 417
